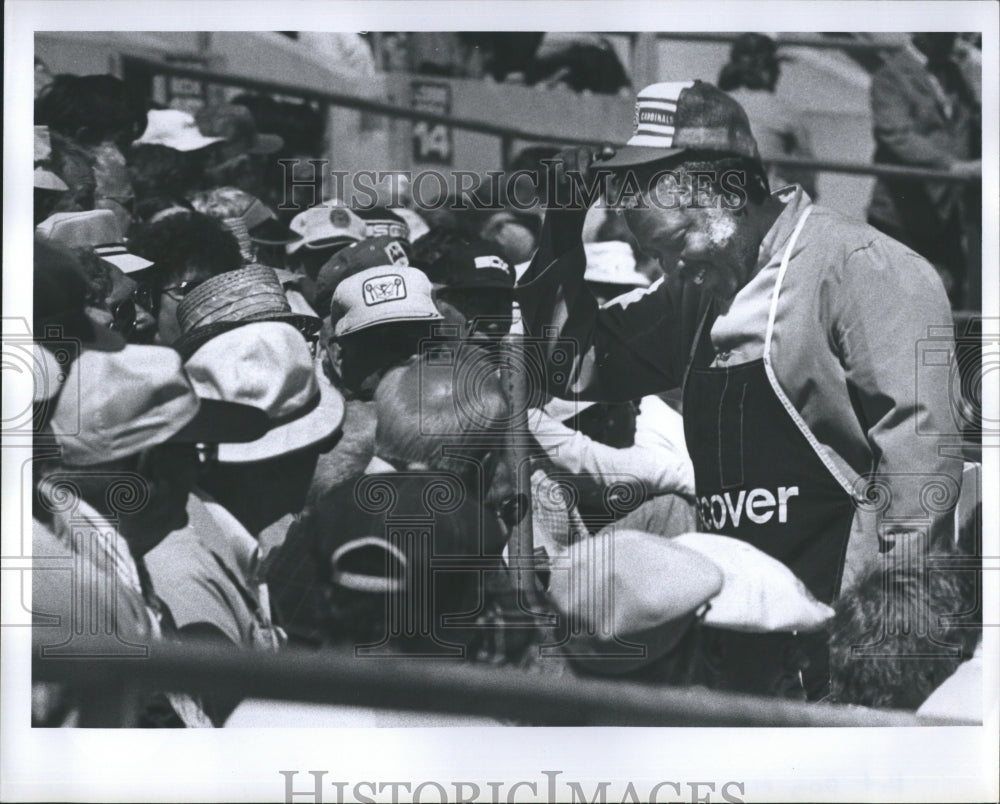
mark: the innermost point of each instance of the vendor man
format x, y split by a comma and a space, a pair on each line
793, 333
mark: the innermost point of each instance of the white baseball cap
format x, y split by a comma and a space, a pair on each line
382, 295
324, 226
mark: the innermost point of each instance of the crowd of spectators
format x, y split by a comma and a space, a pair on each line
289, 430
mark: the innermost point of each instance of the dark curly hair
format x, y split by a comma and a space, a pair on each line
163, 177
184, 240
91, 109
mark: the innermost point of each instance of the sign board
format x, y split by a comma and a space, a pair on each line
432, 142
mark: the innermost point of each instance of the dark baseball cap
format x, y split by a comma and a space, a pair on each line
371, 252
472, 264
678, 116
383, 221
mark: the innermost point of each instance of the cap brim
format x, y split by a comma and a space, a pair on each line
413, 317
127, 263
319, 424
219, 422
633, 155
330, 242
192, 340
184, 145
47, 180
266, 144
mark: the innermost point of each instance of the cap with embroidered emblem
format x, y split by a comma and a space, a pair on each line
382, 295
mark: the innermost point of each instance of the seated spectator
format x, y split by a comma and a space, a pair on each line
366, 341
630, 603
239, 157
473, 289
349, 575
382, 221
186, 248
926, 115
239, 212
372, 252
751, 77
379, 316
74, 166
48, 187
900, 632
267, 364
61, 296
99, 114
127, 434
116, 299
320, 233
168, 162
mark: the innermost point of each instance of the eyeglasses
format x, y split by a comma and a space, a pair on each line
123, 317
178, 292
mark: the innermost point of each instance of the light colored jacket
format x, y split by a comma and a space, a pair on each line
857, 341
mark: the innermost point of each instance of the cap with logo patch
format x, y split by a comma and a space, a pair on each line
384, 221
369, 253
325, 226
472, 264
678, 116
382, 295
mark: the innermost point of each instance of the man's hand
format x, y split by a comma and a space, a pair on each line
577, 177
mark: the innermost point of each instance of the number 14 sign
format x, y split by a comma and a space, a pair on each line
432, 142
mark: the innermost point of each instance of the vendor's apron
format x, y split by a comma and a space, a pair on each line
758, 479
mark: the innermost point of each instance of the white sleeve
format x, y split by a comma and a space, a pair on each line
655, 460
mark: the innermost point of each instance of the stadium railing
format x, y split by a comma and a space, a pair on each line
110, 688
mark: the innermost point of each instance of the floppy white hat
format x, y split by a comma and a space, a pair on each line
268, 365
175, 129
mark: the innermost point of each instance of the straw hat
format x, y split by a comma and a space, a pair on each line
235, 298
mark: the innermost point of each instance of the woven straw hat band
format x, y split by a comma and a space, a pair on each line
233, 296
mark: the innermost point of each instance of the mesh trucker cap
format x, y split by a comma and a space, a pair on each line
678, 116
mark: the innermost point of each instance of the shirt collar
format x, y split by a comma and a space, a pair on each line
796, 201
378, 466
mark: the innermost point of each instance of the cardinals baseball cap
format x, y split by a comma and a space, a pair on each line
678, 116
472, 264
382, 295
325, 226
369, 253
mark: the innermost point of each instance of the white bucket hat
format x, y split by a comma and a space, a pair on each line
175, 129
268, 365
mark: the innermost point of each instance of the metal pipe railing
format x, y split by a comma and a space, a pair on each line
337, 677
786, 40
507, 134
